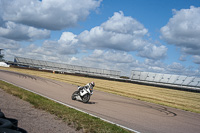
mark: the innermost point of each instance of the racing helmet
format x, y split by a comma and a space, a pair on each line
92, 83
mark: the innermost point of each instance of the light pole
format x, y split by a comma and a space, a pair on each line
1, 55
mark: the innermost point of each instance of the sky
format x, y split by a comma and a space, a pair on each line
161, 36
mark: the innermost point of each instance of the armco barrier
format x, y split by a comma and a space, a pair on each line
166, 79
47, 65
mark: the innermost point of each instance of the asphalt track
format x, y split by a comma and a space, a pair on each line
137, 115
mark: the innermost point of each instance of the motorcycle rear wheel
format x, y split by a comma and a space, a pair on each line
86, 98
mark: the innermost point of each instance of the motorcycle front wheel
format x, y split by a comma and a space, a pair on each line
86, 98
74, 95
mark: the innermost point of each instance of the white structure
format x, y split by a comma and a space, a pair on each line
3, 64
167, 79
47, 65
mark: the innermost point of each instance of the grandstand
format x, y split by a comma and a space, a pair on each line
168, 80
66, 68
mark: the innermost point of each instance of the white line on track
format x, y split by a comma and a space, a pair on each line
71, 107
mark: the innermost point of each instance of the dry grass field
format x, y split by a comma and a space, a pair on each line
184, 100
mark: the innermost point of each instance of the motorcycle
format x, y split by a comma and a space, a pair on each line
83, 94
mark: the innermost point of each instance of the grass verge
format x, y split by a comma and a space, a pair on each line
74, 118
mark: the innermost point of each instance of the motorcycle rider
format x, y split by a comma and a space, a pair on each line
89, 85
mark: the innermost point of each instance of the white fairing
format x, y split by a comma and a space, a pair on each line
84, 91
78, 98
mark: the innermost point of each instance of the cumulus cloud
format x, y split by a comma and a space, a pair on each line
183, 30
121, 33
125, 62
153, 52
52, 50
47, 14
111, 56
118, 23
21, 32
8, 44
196, 59
115, 34
182, 58
108, 59
175, 68
10, 47
66, 45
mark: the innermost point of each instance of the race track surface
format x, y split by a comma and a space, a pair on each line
137, 115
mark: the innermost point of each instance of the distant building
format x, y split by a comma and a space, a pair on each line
1, 55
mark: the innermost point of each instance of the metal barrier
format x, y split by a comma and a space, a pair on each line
179, 80
47, 65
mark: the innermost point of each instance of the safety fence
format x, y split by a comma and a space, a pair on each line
170, 79
60, 67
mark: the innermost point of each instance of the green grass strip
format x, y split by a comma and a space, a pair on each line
72, 117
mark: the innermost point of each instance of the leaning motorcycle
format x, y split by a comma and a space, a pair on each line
83, 95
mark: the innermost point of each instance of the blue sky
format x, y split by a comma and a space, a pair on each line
155, 36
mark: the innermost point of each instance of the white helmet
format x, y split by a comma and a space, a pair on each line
92, 83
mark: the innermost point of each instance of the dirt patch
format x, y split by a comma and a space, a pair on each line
31, 119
